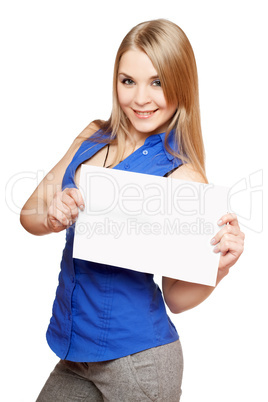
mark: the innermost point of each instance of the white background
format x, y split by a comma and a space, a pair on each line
56, 76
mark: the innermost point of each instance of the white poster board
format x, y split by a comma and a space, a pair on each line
149, 223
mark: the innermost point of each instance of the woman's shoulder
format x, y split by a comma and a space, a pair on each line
83, 136
91, 129
189, 173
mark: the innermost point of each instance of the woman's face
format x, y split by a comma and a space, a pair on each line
140, 95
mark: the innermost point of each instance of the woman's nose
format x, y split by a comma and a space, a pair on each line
142, 96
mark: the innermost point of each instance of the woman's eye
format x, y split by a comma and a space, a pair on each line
127, 81
156, 83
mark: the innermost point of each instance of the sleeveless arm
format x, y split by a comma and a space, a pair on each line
33, 216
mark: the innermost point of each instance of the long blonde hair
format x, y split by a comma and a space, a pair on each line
172, 55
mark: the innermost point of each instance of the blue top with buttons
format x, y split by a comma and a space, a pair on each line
103, 312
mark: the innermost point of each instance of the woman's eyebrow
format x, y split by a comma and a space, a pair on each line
126, 75
129, 76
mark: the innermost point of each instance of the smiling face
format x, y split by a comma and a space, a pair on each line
141, 96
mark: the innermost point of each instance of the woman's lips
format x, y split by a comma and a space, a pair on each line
144, 114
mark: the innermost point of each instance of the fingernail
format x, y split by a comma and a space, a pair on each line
219, 222
216, 249
82, 207
212, 241
70, 223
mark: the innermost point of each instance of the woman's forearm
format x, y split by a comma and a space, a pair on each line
181, 296
33, 217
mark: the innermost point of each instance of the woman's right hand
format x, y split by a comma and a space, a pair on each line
64, 208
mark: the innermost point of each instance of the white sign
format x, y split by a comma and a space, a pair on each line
149, 223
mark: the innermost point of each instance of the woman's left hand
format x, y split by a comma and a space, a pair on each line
229, 241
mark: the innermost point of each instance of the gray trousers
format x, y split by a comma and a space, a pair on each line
151, 375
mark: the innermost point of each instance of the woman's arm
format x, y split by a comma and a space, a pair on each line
229, 241
49, 209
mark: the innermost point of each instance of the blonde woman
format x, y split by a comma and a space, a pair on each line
109, 325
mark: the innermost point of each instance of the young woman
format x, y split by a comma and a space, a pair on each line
109, 325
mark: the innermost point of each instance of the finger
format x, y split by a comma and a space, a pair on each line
225, 242
69, 207
230, 252
76, 195
73, 199
59, 210
64, 208
226, 229
228, 218
54, 225
57, 218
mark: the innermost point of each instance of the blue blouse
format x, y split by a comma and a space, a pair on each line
102, 312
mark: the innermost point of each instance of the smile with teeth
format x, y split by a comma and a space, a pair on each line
144, 114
